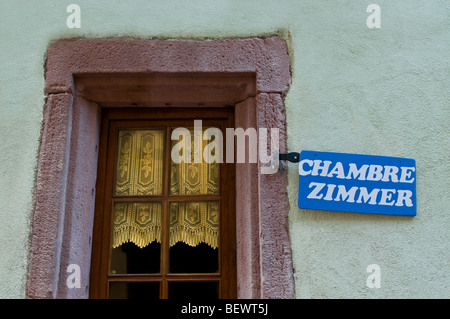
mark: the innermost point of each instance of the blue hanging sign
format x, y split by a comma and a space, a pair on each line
357, 183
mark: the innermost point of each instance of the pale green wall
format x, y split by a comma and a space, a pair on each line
354, 89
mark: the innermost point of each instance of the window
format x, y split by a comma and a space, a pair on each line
84, 77
162, 229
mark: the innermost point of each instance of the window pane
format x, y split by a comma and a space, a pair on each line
136, 237
139, 167
192, 177
194, 237
199, 259
194, 290
125, 290
130, 259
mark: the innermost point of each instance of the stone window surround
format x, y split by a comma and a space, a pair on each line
85, 75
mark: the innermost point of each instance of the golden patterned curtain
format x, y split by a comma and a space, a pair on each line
194, 223
194, 178
139, 171
139, 223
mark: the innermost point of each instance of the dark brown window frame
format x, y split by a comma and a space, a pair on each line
85, 75
112, 120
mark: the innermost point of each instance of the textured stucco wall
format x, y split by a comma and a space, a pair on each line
354, 89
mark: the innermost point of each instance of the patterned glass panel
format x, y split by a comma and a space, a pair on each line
139, 169
194, 178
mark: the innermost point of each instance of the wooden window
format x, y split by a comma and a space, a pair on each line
86, 76
162, 229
